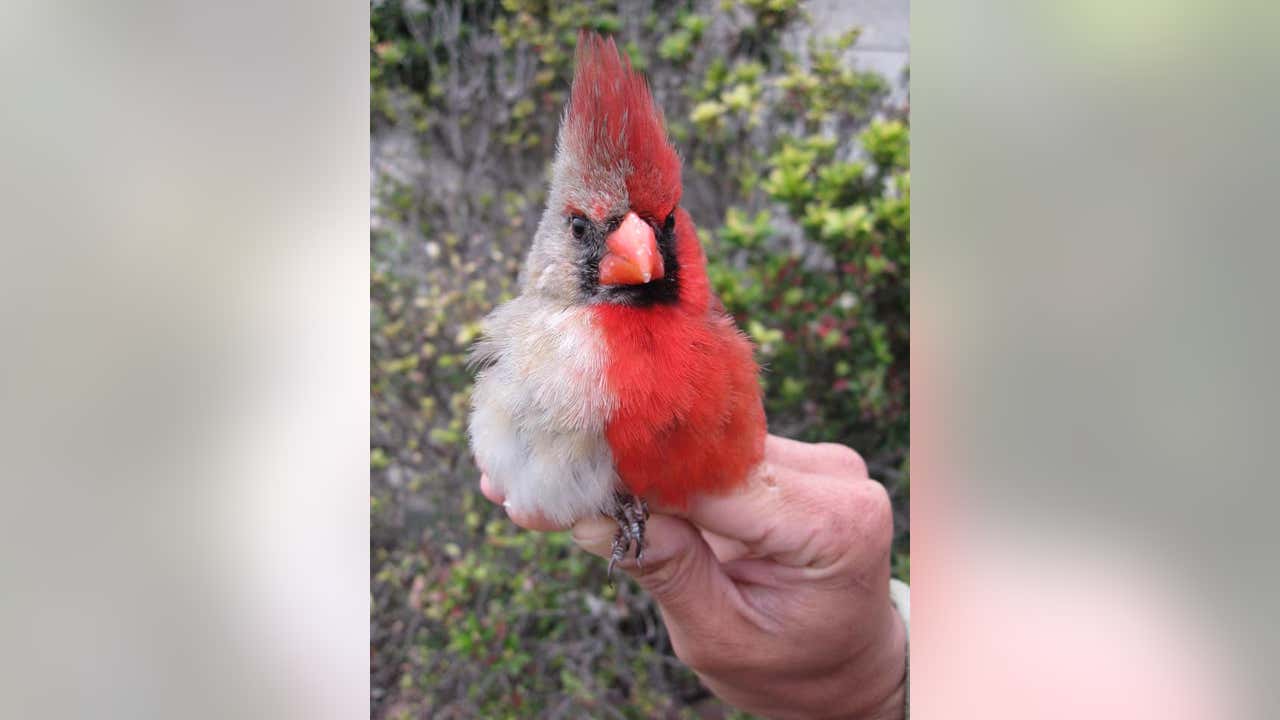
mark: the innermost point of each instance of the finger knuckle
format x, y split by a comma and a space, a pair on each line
844, 460
833, 520
872, 507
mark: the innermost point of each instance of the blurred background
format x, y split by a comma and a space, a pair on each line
791, 119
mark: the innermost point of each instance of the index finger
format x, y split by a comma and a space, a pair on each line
526, 520
795, 518
816, 458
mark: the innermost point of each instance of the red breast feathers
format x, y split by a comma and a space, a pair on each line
686, 414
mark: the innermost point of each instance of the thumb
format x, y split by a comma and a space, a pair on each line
680, 571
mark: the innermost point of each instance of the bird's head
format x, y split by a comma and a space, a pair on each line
609, 232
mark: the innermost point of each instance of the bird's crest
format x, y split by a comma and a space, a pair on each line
612, 122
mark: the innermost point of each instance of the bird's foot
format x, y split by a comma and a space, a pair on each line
631, 512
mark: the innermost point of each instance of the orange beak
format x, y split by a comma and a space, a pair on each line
633, 257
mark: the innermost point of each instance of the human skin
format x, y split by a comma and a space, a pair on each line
777, 594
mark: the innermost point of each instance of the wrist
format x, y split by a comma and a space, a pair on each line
890, 700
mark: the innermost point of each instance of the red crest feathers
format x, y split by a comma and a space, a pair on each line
686, 415
612, 122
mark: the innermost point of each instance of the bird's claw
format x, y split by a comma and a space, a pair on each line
631, 512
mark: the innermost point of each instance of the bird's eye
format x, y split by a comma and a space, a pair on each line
578, 225
670, 223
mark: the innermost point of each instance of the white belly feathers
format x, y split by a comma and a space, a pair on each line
539, 410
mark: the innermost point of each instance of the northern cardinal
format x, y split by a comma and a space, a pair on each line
615, 378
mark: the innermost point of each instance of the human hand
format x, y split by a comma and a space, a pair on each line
777, 595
